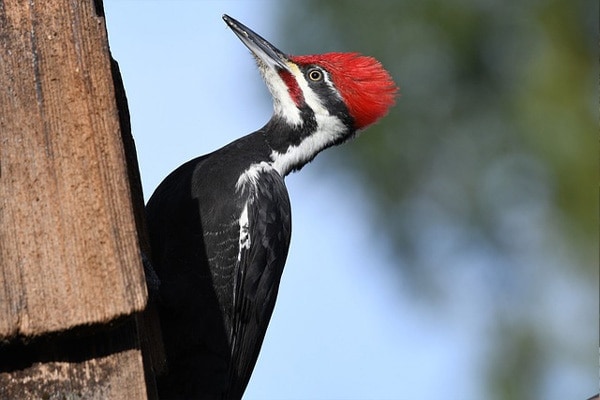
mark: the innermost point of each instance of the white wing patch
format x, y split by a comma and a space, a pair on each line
250, 175
244, 222
247, 183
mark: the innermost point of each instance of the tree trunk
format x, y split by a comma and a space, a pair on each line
72, 286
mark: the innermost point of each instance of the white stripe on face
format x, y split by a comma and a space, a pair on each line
283, 104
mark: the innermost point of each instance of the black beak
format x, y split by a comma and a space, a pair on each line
262, 50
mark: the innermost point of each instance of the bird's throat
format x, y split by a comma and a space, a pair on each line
294, 147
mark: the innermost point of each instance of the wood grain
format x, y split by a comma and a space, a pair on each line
68, 242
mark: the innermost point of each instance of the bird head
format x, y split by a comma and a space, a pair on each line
323, 99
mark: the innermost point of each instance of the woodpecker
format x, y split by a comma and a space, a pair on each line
220, 224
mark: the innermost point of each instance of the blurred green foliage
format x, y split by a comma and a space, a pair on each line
489, 158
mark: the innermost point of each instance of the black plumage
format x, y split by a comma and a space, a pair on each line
217, 294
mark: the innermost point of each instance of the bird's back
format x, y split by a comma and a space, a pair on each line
192, 328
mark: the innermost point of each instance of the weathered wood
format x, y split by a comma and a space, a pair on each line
71, 213
147, 322
97, 362
68, 243
116, 377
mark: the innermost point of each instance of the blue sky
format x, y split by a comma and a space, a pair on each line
342, 328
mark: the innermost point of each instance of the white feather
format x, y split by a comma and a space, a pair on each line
283, 104
329, 129
250, 175
244, 222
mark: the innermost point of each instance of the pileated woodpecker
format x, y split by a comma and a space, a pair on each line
220, 224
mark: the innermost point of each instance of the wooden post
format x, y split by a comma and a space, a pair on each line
72, 285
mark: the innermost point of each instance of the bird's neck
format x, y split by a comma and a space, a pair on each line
293, 146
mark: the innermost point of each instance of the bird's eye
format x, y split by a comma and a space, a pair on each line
315, 75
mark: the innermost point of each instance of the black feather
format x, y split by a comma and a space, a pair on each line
215, 301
